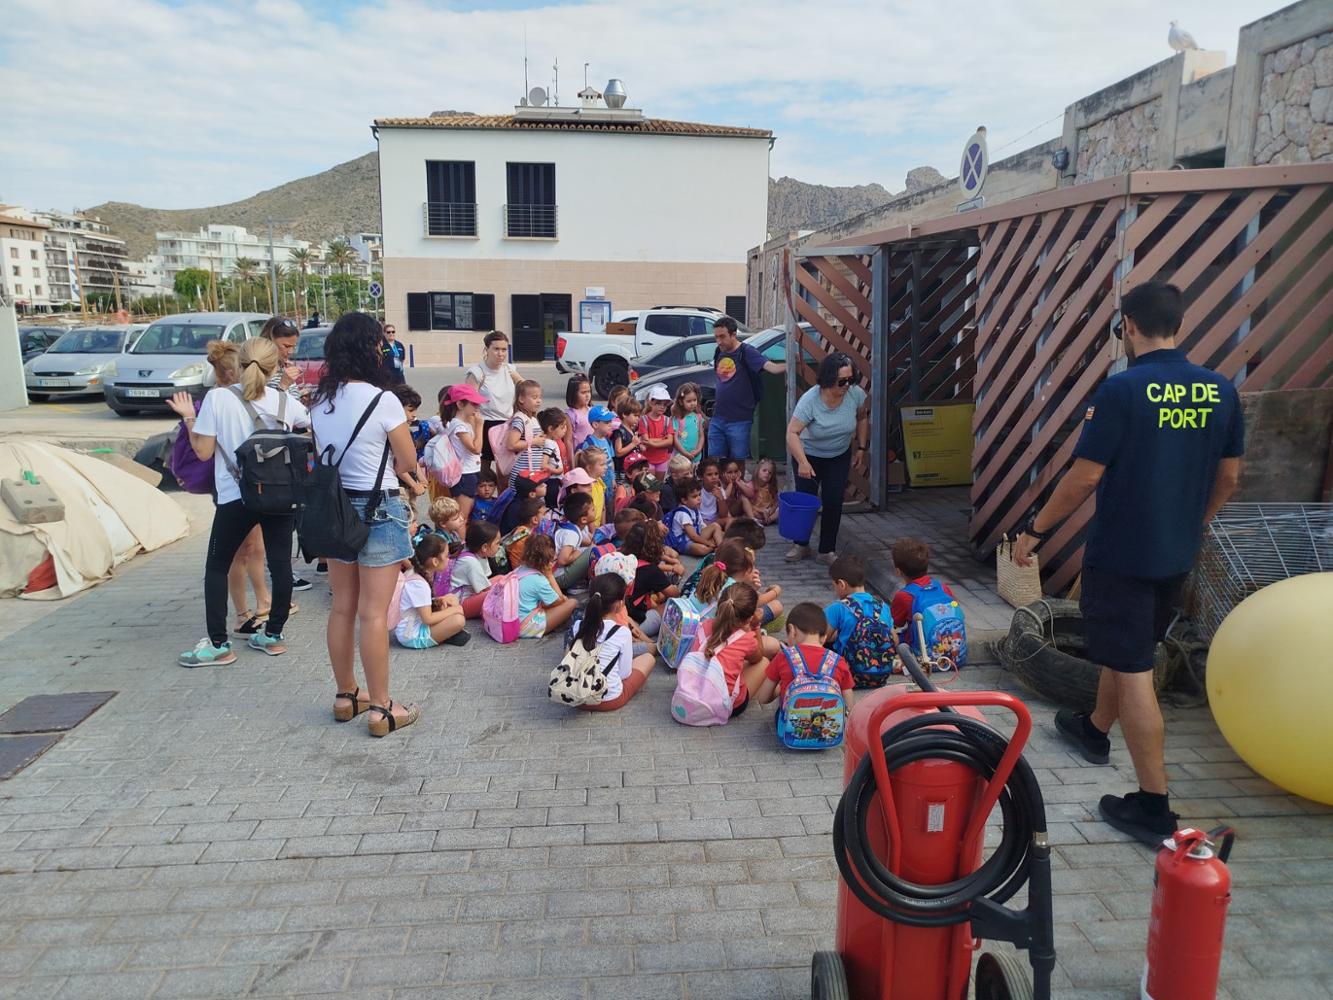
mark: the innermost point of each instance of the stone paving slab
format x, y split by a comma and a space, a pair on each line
214, 833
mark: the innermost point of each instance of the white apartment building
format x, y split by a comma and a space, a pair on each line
510, 221
216, 247
146, 277
82, 254
23, 260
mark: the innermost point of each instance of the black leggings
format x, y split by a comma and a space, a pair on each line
829, 484
231, 523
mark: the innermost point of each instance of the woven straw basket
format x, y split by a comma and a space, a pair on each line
1019, 585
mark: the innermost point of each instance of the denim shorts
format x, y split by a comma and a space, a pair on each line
388, 542
467, 485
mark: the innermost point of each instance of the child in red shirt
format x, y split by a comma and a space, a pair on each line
806, 626
911, 560
733, 636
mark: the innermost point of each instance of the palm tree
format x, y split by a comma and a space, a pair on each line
302, 257
245, 270
341, 254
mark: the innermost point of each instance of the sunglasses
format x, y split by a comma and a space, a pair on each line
1118, 329
845, 382
286, 324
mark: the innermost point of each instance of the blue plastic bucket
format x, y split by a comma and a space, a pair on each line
796, 516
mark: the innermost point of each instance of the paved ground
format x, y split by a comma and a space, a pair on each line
214, 833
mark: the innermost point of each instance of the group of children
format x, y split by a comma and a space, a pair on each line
611, 501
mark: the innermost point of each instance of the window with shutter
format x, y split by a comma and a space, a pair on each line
418, 311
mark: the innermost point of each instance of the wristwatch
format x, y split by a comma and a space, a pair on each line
1029, 528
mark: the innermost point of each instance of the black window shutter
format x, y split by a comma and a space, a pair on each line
483, 312
418, 311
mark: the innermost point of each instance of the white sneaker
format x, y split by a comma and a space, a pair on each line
797, 552
827, 557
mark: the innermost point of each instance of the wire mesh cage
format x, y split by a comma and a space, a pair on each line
1250, 545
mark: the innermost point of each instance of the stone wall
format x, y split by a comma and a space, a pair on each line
1295, 122
1123, 142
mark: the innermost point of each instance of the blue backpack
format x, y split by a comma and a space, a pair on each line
813, 714
941, 621
499, 505
870, 648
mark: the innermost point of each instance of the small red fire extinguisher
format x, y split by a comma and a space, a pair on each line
1191, 892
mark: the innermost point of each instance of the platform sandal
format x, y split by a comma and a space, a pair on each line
347, 714
387, 723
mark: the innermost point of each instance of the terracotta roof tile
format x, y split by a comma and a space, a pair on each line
642, 126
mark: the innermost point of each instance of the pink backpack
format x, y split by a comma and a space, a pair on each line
499, 612
702, 697
395, 614
442, 460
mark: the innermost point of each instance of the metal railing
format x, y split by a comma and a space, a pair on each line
531, 221
449, 218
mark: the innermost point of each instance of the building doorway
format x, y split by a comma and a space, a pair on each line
538, 319
557, 318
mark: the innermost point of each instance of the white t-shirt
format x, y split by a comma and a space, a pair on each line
566, 534
498, 388
623, 643
363, 458
682, 517
223, 416
457, 429
416, 594
469, 575
708, 507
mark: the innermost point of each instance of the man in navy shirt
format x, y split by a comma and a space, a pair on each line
737, 367
1161, 446
394, 352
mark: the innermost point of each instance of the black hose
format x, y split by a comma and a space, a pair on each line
966, 741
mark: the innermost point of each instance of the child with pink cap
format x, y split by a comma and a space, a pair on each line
460, 412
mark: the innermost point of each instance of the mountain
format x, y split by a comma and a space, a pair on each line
345, 199
342, 200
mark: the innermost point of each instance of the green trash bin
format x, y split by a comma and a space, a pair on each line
768, 436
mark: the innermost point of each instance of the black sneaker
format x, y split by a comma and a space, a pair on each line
1128, 815
1079, 731
321, 567
300, 584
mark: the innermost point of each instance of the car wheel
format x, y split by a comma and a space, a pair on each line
38, 397
606, 375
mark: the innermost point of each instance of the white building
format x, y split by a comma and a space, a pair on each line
509, 221
81, 254
147, 276
216, 247
23, 259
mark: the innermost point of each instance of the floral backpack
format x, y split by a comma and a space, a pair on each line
870, 649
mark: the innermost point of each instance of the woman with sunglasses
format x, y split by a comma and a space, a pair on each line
829, 432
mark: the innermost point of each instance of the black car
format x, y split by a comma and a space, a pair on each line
771, 343
34, 340
680, 353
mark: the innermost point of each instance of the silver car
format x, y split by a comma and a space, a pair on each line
171, 356
73, 365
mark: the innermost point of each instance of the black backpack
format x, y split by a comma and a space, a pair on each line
271, 464
330, 527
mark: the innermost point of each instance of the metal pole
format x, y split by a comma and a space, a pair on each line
272, 271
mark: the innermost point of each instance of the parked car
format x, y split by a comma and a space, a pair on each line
605, 357
309, 353
771, 343
34, 340
171, 356
73, 365
686, 351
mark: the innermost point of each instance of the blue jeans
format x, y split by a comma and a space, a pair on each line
729, 438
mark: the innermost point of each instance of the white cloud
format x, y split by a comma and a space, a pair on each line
181, 105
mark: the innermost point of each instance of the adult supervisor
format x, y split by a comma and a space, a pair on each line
1161, 446
829, 432
737, 367
495, 378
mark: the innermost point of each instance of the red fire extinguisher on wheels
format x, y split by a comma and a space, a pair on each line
1191, 892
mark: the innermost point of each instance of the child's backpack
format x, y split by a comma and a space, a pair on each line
621, 498
598, 551
498, 506
442, 460
622, 564
702, 697
515, 544
192, 473
870, 648
812, 713
681, 618
578, 679
395, 614
691, 583
442, 582
504, 458
941, 621
679, 542
271, 465
499, 612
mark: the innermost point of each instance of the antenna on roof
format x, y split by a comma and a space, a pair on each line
585, 75
525, 62
555, 86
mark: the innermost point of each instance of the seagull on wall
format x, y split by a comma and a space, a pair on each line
1179, 39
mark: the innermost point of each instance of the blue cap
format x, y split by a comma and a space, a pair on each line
600, 414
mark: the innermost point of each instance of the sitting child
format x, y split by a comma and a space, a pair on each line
736, 492
573, 541
744, 529
764, 503
528, 515
806, 626
542, 608
652, 587
679, 468
648, 495
447, 520
735, 564
860, 624
713, 502
486, 491
426, 620
942, 616
687, 532
415, 481
733, 637
470, 578
593, 461
606, 627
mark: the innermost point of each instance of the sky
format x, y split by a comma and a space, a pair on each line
188, 103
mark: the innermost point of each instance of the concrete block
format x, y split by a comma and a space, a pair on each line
31, 501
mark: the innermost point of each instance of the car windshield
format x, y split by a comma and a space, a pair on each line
310, 348
90, 341
177, 338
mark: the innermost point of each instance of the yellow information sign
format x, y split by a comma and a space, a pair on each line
938, 441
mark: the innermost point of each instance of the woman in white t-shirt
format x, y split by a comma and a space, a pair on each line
223, 424
606, 626
460, 413
371, 462
496, 379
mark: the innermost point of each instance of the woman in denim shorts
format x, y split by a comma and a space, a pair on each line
352, 385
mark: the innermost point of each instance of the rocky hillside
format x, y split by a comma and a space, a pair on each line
345, 199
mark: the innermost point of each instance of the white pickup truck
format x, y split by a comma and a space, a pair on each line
605, 357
